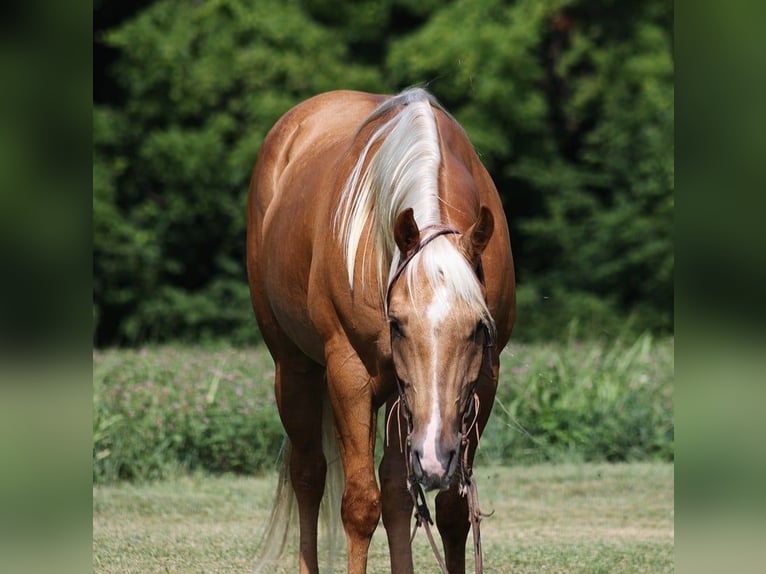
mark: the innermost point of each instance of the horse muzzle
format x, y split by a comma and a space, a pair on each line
433, 465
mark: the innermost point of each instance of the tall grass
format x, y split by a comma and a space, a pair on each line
163, 410
583, 401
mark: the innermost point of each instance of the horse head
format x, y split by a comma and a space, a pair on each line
440, 327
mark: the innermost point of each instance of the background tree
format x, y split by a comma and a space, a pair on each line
201, 84
569, 103
570, 106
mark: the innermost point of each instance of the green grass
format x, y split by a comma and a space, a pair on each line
162, 411
165, 418
578, 518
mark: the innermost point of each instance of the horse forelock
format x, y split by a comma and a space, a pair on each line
397, 169
445, 269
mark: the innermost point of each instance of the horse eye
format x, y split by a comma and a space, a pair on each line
477, 331
396, 328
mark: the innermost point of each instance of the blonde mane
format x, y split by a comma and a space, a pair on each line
402, 173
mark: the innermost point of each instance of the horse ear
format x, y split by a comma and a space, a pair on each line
406, 232
477, 237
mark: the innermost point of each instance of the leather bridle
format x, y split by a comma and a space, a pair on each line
468, 486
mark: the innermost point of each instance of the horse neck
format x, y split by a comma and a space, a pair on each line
415, 157
459, 194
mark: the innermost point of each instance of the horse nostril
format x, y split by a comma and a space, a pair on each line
451, 461
416, 464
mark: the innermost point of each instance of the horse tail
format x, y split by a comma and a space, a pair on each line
331, 525
282, 526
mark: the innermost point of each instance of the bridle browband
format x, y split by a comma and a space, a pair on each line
469, 422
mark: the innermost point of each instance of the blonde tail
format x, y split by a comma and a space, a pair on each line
330, 524
281, 526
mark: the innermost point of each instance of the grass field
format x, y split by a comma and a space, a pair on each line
171, 426
567, 518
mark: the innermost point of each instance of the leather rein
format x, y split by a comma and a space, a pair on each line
468, 486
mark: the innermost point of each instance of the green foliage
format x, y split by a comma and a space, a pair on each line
488, 74
592, 402
202, 85
156, 411
572, 112
162, 409
548, 314
569, 104
607, 220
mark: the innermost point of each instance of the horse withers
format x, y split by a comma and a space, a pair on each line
380, 271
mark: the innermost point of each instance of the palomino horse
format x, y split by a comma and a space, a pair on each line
380, 272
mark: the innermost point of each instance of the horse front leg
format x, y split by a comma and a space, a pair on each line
397, 501
452, 522
355, 420
452, 517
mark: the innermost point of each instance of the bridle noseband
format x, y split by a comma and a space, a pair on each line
469, 423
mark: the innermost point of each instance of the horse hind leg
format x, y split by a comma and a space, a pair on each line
300, 393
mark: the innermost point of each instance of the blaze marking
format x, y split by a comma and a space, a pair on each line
437, 312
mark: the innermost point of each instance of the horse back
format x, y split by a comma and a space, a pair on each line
290, 209
292, 257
